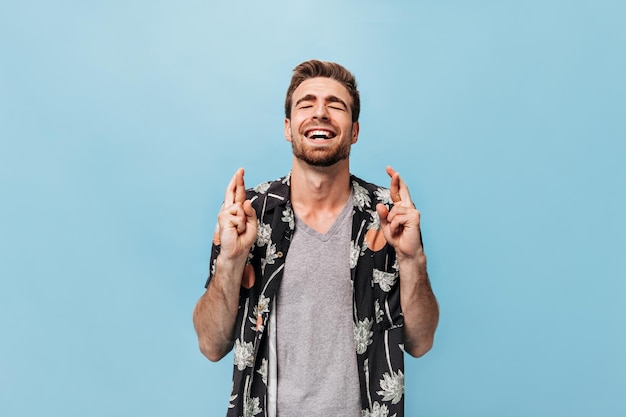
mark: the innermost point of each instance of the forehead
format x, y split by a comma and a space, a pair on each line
321, 87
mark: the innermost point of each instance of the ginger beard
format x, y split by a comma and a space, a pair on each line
320, 156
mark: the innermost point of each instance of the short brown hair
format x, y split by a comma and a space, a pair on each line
332, 70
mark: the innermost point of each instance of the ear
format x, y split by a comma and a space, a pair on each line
355, 132
288, 130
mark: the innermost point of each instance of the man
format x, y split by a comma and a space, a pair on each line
318, 280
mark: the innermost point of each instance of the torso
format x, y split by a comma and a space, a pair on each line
317, 367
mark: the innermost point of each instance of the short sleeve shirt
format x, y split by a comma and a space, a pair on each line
378, 321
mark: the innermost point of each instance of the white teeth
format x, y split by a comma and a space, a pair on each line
319, 133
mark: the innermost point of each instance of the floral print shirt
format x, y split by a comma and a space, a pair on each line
378, 321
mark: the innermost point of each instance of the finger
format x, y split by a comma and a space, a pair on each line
403, 219
405, 195
409, 213
394, 188
241, 227
229, 195
399, 191
234, 222
249, 211
240, 187
237, 219
382, 212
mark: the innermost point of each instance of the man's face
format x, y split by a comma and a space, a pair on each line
321, 130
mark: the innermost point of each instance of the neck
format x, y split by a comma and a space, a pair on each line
319, 193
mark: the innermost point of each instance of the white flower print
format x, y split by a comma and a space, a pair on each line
361, 197
263, 234
288, 217
383, 195
262, 188
392, 386
384, 279
354, 254
233, 397
377, 410
244, 354
213, 266
270, 255
263, 370
263, 306
251, 406
365, 247
375, 222
378, 312
363, 335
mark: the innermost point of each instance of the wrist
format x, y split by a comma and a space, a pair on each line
417, 259
229, 261
230, 269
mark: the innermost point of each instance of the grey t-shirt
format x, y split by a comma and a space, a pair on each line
317, 366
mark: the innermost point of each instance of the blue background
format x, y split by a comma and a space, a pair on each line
122, 121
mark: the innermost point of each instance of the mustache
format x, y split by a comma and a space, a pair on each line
317, 124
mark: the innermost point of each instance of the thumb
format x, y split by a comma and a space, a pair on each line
383, 212
249, 210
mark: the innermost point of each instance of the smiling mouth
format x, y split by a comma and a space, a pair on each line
319, 134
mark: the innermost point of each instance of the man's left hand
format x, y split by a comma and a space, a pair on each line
401, 224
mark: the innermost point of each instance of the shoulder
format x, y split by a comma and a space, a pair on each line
367, 194
270, 193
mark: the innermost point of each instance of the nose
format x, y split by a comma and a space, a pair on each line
320, 112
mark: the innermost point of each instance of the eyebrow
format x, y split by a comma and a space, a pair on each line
329, 99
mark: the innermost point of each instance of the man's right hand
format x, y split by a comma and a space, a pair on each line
237, 222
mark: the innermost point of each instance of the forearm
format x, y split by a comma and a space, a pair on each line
216, 312
419, 305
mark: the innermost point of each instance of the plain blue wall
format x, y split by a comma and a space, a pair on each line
122, 121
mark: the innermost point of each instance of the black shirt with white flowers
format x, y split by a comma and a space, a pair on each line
378, 321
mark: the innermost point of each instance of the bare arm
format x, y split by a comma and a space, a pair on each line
401, 228
419, 306
215, 313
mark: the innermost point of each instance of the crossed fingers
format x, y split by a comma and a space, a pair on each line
236, 189
399, 191
234, 198
237, 223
